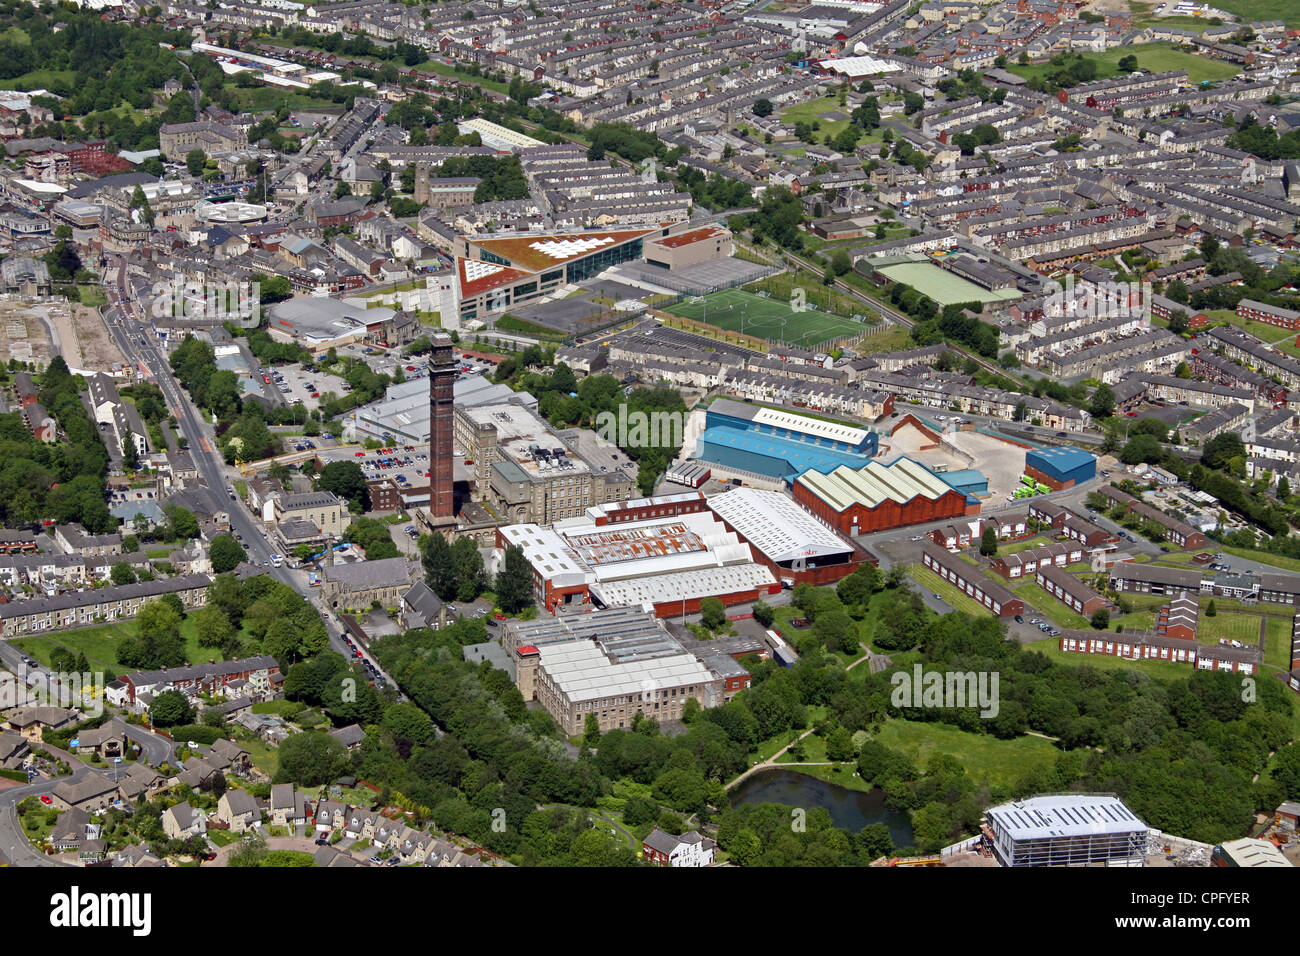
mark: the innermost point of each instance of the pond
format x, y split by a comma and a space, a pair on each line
849, 809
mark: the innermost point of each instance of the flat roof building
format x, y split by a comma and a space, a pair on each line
1067, 830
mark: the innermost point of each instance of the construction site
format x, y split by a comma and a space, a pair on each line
36, 332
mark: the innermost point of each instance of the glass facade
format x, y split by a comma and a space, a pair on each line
598, 262
493, 257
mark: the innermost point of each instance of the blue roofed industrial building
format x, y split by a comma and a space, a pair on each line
971, 483
1060, 467
778, 444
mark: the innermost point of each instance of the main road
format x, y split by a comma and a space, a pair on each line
128, 324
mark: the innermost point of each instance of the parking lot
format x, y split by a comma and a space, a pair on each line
295, 385
407, 465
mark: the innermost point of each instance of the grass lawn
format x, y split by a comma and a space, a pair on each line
1261, 330
945, 288
1263, 557
264, 98
819, 296
39, 79
767, 318
1284, 10
987, 759
437, 66
1015, 547
1277, 643
1153, 57
223, 837
264, 758
511, 323
1160, 670
814, 110
92, 296
1058, 613
100, 643
1138, 621
814, 750
891, 338
1230, 627
958, 600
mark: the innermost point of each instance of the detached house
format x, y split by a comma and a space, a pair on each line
183, 821
239, 810
288, 807
689, 849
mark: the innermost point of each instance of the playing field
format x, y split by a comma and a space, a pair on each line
771, 319
943, 287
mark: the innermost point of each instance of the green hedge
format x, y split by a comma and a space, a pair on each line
19, 775
197, 733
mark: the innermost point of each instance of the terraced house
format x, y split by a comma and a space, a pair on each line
82, 608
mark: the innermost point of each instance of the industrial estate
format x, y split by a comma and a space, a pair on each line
479, 435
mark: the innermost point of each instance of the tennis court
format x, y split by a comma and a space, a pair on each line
771, 319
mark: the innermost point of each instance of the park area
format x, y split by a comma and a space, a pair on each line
768, 318
1152, 57
942, 286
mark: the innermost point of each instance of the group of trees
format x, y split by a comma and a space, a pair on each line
715, 191
241, 429
1264, 142
953, 324
373, 537
454, 571
61, 480
778, 218
502, 177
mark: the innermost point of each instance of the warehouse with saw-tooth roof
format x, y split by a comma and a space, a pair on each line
877, 497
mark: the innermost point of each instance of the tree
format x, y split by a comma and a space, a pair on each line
195, 160
763, 107
348, 481
439, 567
839, 745
1220, 450
1100, 619
138, 201
226, 553
1283, 488
212, 627
514, 583
311, 758
764, 614
1210, 609
130, 455
157, 642
836, 631
171, 708
467, 564
713, 613
122, 573
181, 522
989, 541
1102, 404
591, 730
